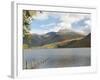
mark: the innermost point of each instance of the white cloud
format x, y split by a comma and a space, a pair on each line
45, 26
41, 16
66, 20
87, 28
69, 18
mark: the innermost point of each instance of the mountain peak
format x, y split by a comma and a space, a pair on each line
51, 33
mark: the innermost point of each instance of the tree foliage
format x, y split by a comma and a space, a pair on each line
27, 18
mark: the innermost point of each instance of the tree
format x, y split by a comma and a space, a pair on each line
27, 18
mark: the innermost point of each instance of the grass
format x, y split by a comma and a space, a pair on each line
53, 45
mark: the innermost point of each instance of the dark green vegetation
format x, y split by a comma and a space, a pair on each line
27, 18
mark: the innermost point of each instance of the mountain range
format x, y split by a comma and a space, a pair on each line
77, 43
61, 39
52, 37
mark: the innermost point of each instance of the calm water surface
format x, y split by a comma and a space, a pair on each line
53, 58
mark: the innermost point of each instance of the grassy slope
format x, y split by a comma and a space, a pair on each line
73, 43
61, 44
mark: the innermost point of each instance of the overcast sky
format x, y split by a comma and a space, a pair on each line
45, 22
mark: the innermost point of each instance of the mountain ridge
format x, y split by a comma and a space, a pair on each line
61, 39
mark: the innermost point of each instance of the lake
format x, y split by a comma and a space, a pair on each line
56, 58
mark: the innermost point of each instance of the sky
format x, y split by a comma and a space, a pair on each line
44, 22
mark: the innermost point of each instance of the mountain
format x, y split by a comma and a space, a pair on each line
51, 37
51, 33
69, 34
62, 36
37, 40
84, 42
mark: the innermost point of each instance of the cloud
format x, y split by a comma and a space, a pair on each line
81, 22
69, 18
82, 26
45, 26
69, 21
41, 16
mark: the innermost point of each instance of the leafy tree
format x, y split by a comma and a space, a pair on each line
27, 18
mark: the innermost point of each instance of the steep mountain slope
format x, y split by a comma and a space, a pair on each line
52, 37
85, 42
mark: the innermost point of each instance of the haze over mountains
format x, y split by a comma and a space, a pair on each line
61, 39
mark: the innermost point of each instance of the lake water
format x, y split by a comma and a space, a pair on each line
54, 58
